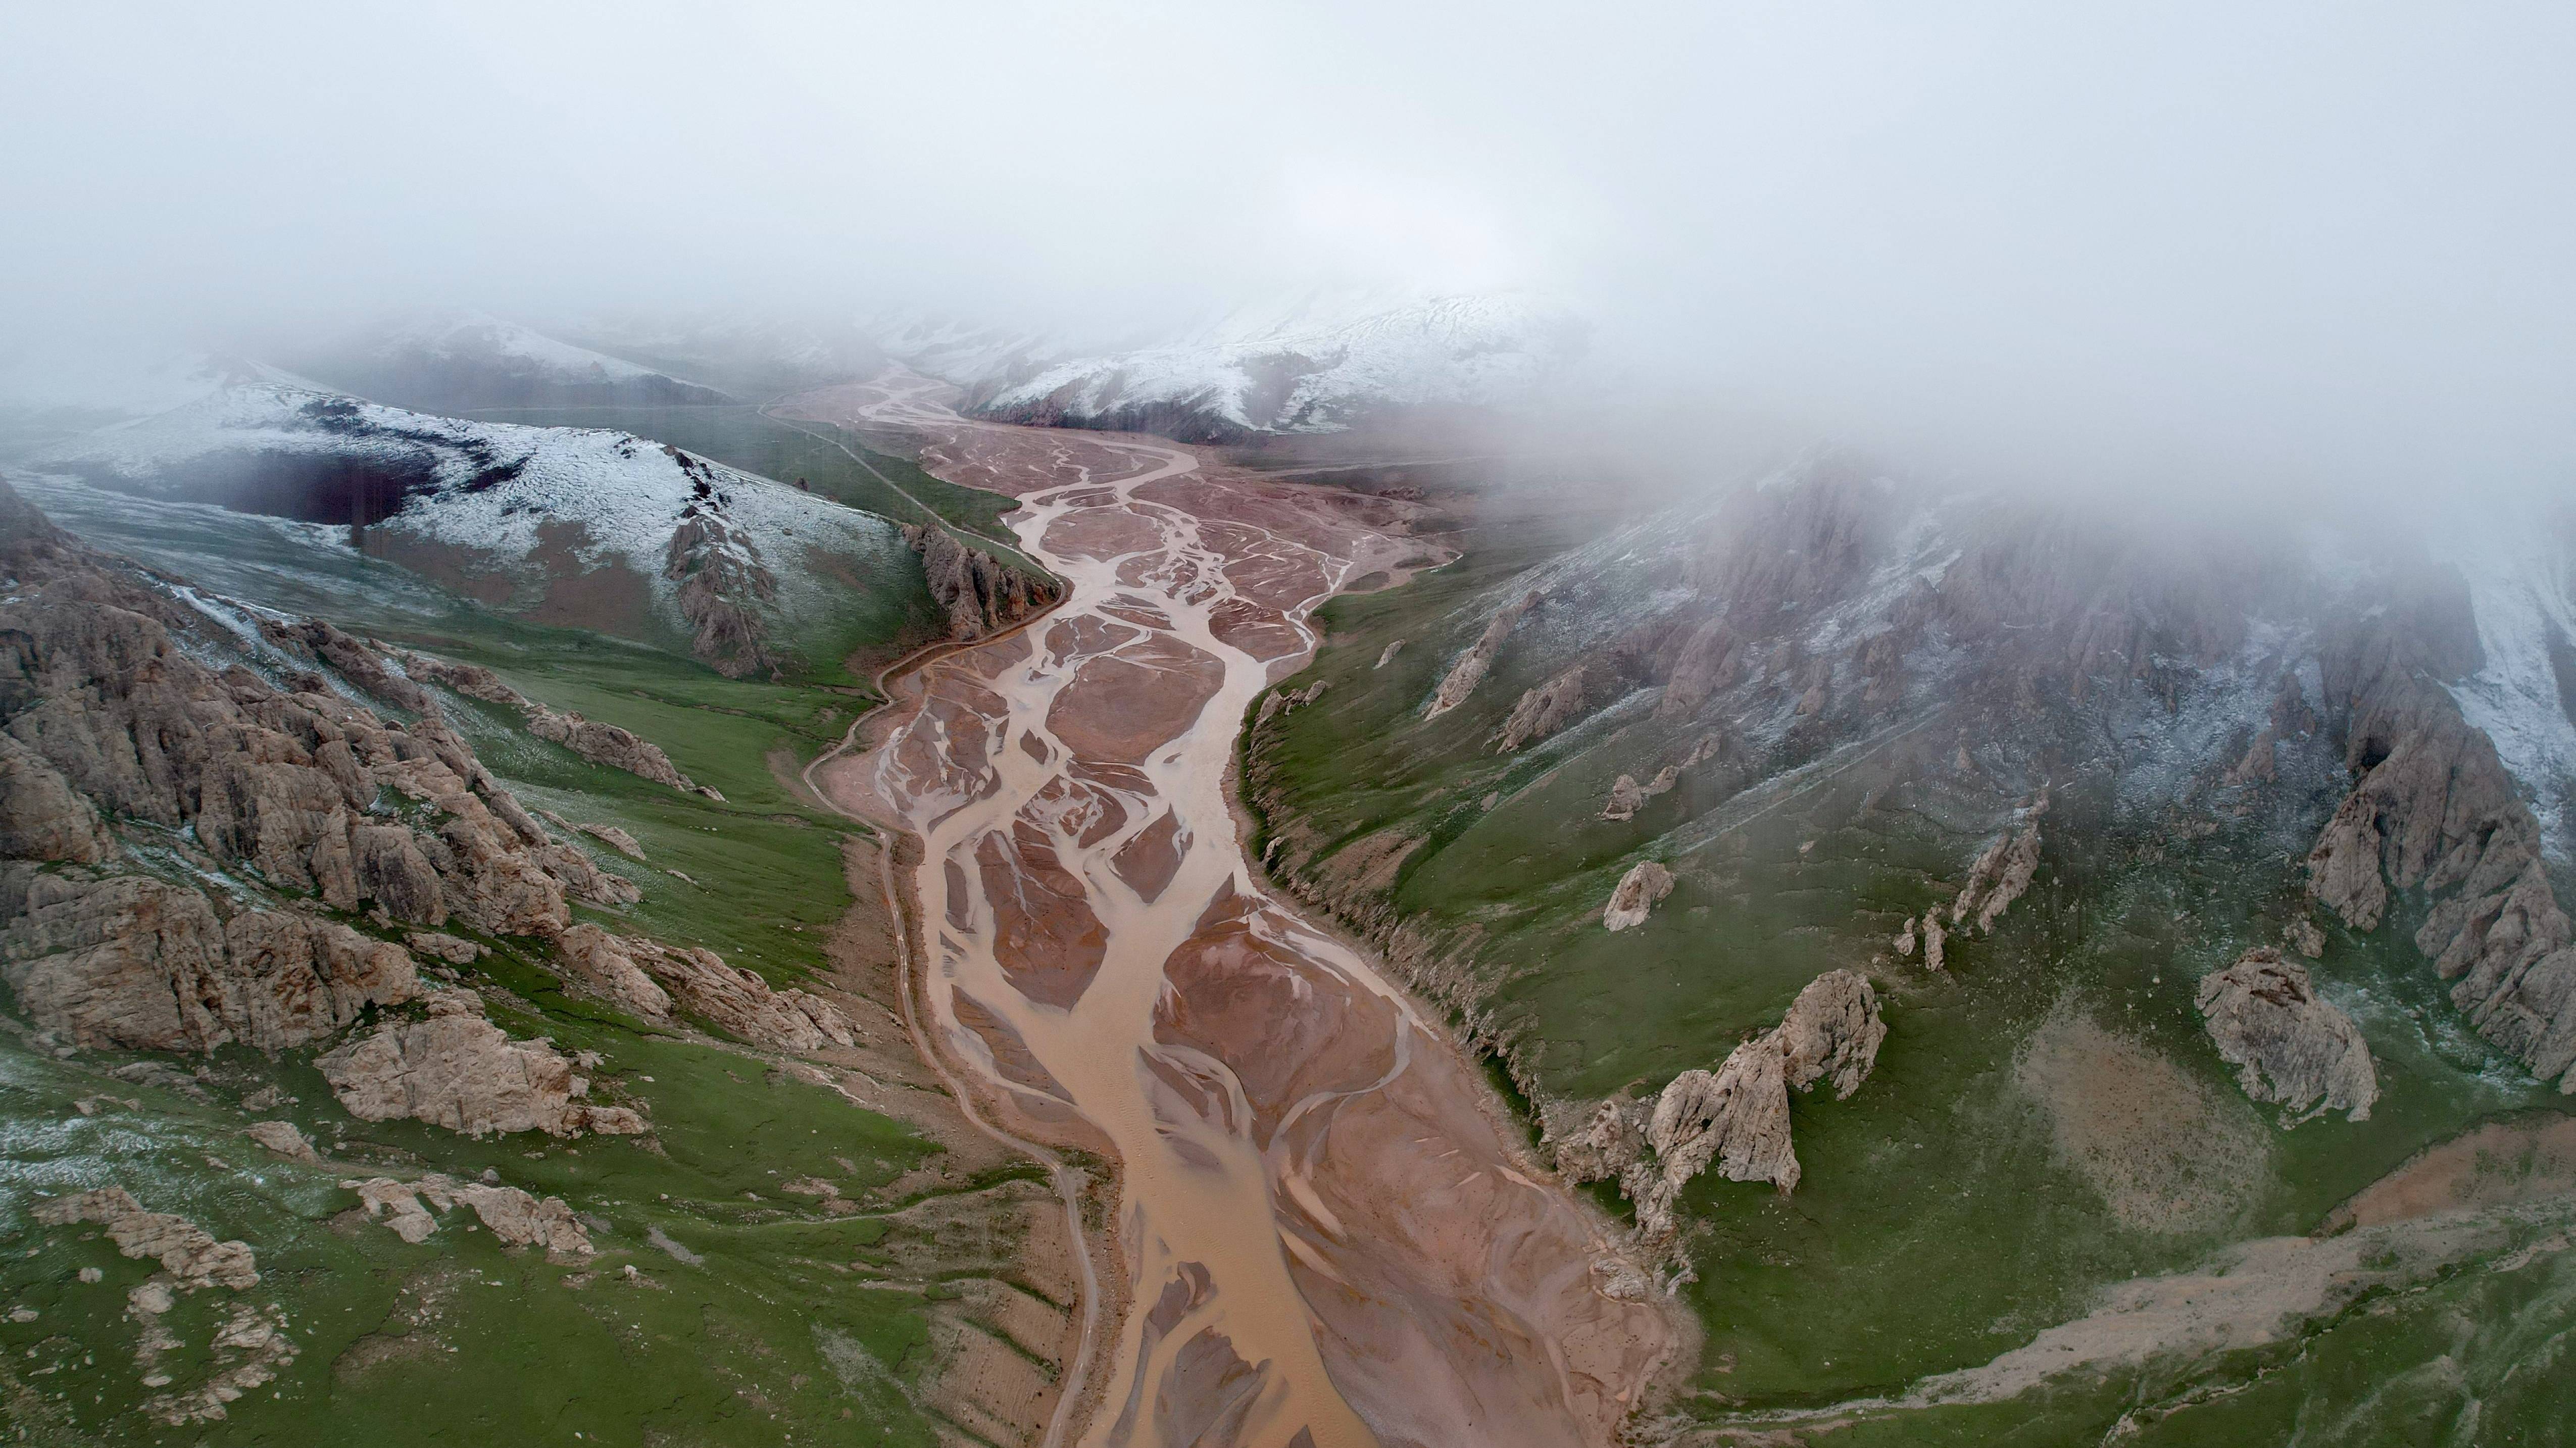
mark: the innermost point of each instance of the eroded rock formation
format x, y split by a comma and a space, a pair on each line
603, 744
517, 1218
134, 962
1469, 670
1735, 1118
981, 594
457, 1070
2432, 808
2000, 874
188, 1252
2287, 1043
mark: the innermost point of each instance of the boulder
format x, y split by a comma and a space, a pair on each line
1634, 899
282, 1137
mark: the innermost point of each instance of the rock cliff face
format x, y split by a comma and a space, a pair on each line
982, 595
2434, 810
134, 962
2288, 1044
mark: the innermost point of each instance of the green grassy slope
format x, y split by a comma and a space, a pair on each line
1940, 1220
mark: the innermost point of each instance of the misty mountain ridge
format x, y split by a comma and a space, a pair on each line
456, 360
583, 526
1317, 361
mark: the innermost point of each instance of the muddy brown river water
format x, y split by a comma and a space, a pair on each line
1328, 1237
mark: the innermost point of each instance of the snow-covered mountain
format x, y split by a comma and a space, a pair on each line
589, 527
1318, 362
984, 360
462, 361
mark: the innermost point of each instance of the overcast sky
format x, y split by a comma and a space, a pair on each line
2308, 238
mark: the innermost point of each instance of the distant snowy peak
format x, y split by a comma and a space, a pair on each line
531, 519
1319, 362
452, 361
479, 334
982, 360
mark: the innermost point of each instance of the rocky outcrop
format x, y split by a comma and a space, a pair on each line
609, 745
1544, 710
297, 787
602, 744
652, 981
1627, 796
282, 1137
1832, 1033
134, 962
350, 656
1282, 701
616, 839
1469, 670
517, 1218
738, 1002
600, 963
2432, 808
2287, 1043
2000, 874
455, 950
1635, 897
982, 595
186, 1251
457, 1070
719, 581
1610, 1140
1936, 941
1735, 1118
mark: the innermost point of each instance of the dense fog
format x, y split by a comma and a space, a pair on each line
2321, 244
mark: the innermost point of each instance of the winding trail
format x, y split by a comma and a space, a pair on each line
1328, 1239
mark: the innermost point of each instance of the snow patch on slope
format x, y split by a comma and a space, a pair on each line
2522, 584
491, 486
